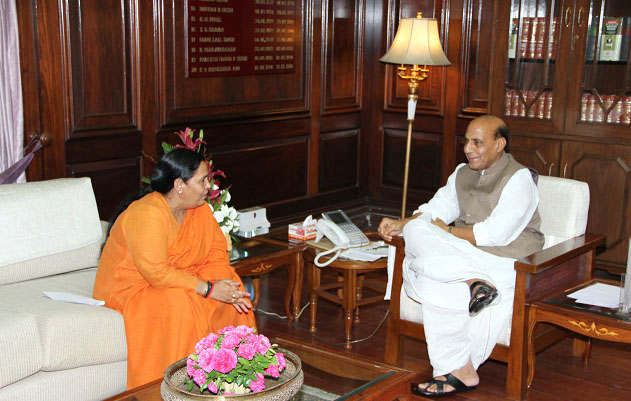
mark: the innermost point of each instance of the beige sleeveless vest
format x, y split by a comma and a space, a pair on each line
478, 195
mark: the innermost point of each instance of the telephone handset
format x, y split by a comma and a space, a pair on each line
341, 231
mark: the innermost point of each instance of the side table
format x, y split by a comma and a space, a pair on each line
351, 294
252, 258
588, 320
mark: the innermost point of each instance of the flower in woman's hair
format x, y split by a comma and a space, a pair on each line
258, 384
224, 360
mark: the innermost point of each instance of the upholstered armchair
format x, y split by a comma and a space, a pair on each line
565, 261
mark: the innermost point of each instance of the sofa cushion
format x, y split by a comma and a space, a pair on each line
72, 335
20, 344
45, 218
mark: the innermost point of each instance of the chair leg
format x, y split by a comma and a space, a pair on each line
394, 344
256, 287
314, 284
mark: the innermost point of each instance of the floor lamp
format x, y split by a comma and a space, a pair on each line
416, 43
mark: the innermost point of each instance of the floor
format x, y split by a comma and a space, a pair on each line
559, 375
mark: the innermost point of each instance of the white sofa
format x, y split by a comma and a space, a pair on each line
50, 240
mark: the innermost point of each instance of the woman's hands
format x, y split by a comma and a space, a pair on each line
228, 291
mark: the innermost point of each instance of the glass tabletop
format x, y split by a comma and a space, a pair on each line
251, 247
571, 303
331, 375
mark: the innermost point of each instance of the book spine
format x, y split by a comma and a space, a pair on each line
525, 37
540, 36
607, 106
591, 107
553, 38
617, 112
530, 104
532, 41
626, 110
540, 106
548, 106
508, 99
584, 107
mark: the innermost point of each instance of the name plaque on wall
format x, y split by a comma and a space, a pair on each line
238, 37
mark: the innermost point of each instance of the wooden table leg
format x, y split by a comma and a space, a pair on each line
289, 293
299, 268
256, 288
314, 284
350, 303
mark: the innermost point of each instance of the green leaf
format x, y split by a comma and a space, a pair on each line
166, 147
146, 180
201, 134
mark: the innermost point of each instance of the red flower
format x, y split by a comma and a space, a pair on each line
187, 138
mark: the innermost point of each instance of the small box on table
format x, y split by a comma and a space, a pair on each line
300, 232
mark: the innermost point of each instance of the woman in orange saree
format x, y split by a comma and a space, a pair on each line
165, 268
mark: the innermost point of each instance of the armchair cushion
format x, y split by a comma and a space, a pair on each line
39, 235
563, 207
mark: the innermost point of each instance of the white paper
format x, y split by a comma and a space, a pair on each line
72, 298
369, 253
598, 294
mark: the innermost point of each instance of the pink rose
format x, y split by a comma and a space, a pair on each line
243, 330
205, 359
258, 384
206, 342
272, 370
224, 360
247, 351
189, 367
200, 377
225, 329
264, 344
281, 360
230, 341
212, 387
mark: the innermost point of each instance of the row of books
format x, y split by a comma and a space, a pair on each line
528, 104
612, 109
531, 41
614, 39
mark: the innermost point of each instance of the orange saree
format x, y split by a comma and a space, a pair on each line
148, 272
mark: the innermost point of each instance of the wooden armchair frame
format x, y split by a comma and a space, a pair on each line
539, 276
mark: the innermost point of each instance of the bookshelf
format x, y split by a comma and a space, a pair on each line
562, 81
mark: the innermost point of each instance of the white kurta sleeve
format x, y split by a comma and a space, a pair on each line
444, 205
516, 206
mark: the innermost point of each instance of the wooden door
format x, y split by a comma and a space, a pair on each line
606, 168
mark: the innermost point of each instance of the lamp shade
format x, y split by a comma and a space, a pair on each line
416, 42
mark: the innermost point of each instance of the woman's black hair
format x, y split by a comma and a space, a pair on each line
178, 163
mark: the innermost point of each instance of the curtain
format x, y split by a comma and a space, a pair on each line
11, 117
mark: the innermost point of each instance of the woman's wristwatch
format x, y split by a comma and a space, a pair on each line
209, 288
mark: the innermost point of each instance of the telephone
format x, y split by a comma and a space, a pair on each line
339, 229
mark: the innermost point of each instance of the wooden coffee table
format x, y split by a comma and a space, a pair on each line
328, 373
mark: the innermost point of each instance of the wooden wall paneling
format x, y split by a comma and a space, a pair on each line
423, 177
109, 179
102, 94
187, 100
338, 160
265, 173
539, 153
606, 168
343, 33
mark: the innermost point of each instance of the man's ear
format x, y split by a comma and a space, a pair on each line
500, 144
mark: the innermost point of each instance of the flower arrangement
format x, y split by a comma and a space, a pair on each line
234, 360
218, 198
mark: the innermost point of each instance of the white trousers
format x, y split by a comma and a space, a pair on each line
436, 266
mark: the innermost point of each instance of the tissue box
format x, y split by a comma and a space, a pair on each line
298, 232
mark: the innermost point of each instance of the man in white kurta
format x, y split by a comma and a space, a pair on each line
493, 226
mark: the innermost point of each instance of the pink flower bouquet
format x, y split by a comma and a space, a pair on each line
233, 361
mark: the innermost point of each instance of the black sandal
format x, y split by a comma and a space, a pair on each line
450, 379
482, 295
